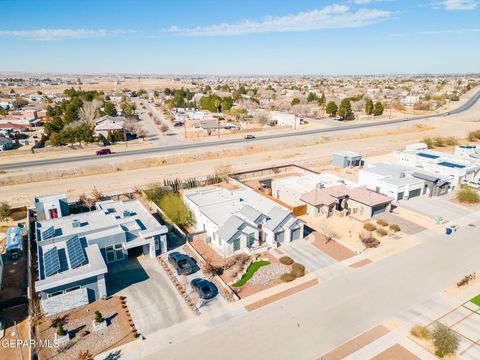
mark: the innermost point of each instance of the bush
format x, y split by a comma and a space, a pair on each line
60, 331
369, 227
5, 211
395, 228
286, 260
298, 270
381, 232
428, 141
369, 241
98, 317
468, 195
445, 340
420, 332
451, 141
287, 277
474, 135
172, 205
382, 222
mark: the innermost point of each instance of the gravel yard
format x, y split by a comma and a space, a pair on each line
266, 274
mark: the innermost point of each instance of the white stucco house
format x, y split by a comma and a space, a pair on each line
241, 220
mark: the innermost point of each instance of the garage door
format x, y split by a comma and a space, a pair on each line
279, 237
296, 234
378, 210
414, 193
400, 196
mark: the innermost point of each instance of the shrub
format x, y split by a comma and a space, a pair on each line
5, 211
420, 332
468, 195
287, 277
445, 340
60, 331
451, 141
369, 241
98, 317
382, 222
286, 260
395, 228
298, 270
438, 141
474, 135
381, 232
369, 227
428, 141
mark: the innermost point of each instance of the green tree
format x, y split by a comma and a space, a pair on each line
167, 91
295, 101
378, 109
156, 93
445, 340
312, 97
217, 104
109, 108
55, 125
345, 109
331, 108
369, 107
322, 100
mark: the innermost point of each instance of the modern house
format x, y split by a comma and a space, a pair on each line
446, 165
284, 119
347, 159
242, 220
108, 123
470, 152
74, 251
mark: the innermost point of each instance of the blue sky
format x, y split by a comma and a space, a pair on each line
241, 36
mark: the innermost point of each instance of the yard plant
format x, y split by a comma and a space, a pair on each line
381, 232
446, 341
5, 211
298, 270
98, 317
369, 227
252, 269
468, 195
172, 205
394, 228
287, 277
420, 332
286, 260
369, 240
60, 330
382, 222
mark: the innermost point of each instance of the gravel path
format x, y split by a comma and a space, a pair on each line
268, 273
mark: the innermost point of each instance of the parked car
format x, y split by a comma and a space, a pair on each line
249, 137
178, 124
104, 152
204, 288
184, 264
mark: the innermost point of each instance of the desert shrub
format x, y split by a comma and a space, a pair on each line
287, 277
286, 260
5, 211
298, 270
369, 227
395, 228
466, 279
473, 135
420, 332
381, 232
438, 141
98, 317
382, 222
451, 141
445, 340
468, 195
368, 240
60, 331
428, 141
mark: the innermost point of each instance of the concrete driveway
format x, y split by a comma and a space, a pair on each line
435, 207
307, 254
152, 300
408, 227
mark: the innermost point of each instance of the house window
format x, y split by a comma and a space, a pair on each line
53, 213
236, 244
114, 253
278, 194
55, 294
250, 240
157, 244
73, 289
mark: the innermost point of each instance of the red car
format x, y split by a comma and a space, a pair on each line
104, 152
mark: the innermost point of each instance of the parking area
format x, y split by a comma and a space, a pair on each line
152, 300
435, 207
204, 306
309, 255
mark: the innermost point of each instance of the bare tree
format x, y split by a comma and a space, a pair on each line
96, 195
141, 133
164, 128
89, 112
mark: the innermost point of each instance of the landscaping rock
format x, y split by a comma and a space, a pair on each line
268, 273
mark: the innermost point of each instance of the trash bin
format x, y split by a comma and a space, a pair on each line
448, 231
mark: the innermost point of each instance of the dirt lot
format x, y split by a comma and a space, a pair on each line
82, 337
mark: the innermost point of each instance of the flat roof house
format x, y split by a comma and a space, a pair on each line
75, 250
347, 159
241, 220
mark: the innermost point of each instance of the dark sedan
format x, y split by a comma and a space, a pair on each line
204, 288
182, 263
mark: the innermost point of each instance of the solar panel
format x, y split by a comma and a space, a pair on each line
75, 252
48, 233
51, 262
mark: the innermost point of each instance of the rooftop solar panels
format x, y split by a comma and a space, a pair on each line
428, 156
451, 165
48, 233
75, 252
51, 262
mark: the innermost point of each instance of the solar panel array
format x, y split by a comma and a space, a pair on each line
75, 252
51, 262
48, 233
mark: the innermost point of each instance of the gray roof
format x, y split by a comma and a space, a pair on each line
231, 227
251, 213
276, 217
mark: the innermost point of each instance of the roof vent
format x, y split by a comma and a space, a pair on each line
76, 224
320, 185
126, 213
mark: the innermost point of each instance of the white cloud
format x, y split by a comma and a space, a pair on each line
456, 4
61, 34
330, 17
364, 2
440, 32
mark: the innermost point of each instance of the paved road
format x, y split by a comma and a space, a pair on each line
208, 144
314, 321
